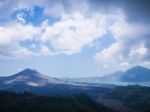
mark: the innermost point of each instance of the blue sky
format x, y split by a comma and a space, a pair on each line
63, 38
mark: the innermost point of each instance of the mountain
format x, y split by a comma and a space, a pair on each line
35, 82
116, 76
109, 77
29, 77
30, 80
113, 76
136, 74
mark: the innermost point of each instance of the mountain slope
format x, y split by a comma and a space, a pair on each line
29, 77
136, 74
35, 82
27, 102
113, 77
109, 77
136, 98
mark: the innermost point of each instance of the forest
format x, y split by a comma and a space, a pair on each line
136, 98
28, 102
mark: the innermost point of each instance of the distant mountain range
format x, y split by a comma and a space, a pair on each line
116, 97
35, 82
136, 74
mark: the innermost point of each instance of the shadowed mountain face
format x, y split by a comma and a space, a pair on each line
136, 74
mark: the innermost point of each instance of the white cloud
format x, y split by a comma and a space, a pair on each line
67, 36
74, 32
17, 32
14, 50
44, 50
20, 18
125, 65
130, 47
11, 35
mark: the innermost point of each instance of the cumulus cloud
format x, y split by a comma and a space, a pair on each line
13, 50
74, 31
13, 32
67, 36
130, 47
135, 11
80, 24
11, 35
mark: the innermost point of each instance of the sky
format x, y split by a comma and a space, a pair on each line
74, 38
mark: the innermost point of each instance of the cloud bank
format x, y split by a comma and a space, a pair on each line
78, 24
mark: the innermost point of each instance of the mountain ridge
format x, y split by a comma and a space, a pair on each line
30, 77
133, 75
35, 82
136, 74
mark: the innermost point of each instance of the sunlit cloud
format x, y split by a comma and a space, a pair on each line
64, 27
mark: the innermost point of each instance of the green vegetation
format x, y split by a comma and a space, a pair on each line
27, 102
136, 97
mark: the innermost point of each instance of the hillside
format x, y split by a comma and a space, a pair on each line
35, 82
136, 74
136, 98
27, 102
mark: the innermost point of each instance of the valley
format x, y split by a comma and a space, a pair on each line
111, 97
